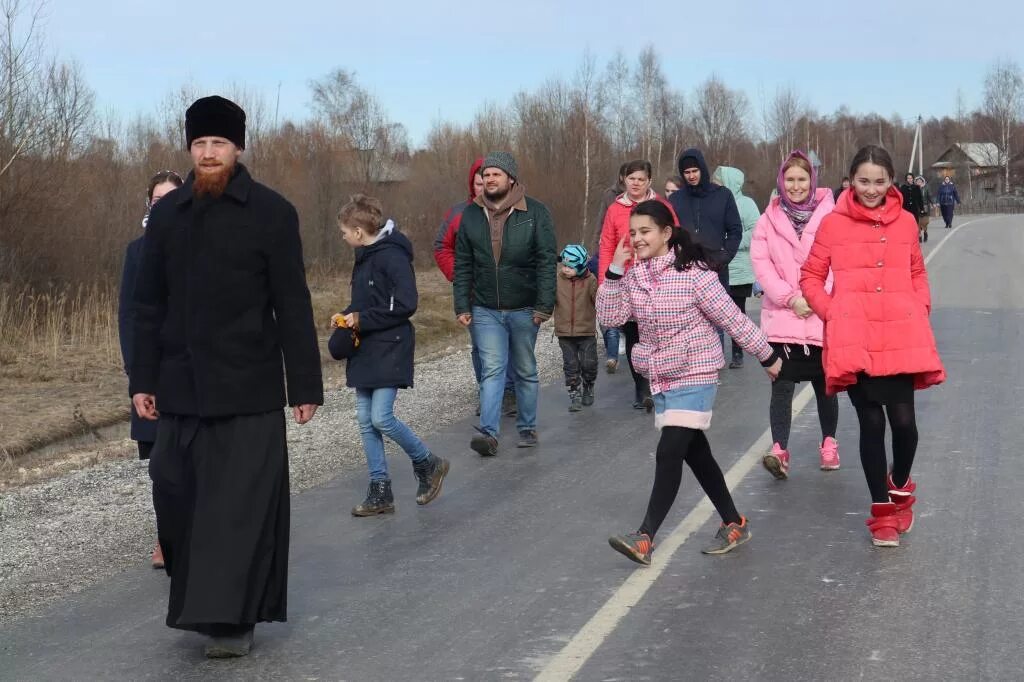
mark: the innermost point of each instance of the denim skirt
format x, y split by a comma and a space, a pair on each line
687, 406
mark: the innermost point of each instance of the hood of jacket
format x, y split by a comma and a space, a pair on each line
472, 173
732, 179
391, 241
704, 186
884, 214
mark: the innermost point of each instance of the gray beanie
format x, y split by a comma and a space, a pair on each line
502, 160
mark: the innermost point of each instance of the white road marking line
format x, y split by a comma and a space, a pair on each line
567, 662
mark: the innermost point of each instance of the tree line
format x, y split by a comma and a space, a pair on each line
72, 178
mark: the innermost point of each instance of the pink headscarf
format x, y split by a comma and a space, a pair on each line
799, 214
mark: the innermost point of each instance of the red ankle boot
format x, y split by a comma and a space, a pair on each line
884, 525
904, 500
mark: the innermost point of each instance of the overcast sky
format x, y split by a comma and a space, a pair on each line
429, 61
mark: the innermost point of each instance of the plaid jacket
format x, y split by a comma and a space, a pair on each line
677, 313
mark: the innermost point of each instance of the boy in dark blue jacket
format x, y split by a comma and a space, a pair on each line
384, 297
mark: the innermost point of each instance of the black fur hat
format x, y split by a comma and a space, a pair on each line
215, 116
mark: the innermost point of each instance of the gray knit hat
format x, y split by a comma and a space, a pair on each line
502, 160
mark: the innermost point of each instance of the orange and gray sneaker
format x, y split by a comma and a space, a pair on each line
884, 525
829, 452
636, 546
158, 556
777, 462
729, 537
904, 500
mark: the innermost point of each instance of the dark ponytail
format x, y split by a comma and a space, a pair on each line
689, 253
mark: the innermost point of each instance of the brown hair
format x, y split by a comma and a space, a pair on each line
364, 212
800, 162
873, 154
160, 178
637, 166
676, 180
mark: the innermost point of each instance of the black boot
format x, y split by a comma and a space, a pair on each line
644, 401
737, 359
430, 473
575, 399
379, 500
588, 393
508, 403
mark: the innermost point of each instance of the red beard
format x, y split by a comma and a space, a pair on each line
212, 182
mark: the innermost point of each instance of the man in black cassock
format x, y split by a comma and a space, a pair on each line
223, 317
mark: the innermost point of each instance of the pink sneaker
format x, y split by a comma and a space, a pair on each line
829, 454
777, 462
904, 500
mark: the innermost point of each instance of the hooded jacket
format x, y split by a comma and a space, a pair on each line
777, 255
575, 314
385, 296
876, 317
444, 241
709, 211
616, 226
740, 271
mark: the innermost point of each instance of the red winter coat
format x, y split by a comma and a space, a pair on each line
876, 318
444, 241
616, 225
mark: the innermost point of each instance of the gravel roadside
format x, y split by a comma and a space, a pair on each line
63, 535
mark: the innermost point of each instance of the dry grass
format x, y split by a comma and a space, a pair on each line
60, 362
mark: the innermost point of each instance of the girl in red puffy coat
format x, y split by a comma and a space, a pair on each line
878, 343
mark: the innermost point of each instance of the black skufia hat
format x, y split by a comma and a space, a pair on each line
215, 116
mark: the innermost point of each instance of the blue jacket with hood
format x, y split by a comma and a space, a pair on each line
385, 296
710, 212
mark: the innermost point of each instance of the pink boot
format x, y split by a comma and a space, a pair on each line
777, 462
904, 500
829, 454
883, 525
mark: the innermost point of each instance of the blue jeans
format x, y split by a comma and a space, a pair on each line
474, 355
505, 340
376, 417
611, 342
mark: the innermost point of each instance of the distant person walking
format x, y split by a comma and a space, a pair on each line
879, 346
143, 431
504, 290
616, 227
926, 207
575, 325
948, 198
677, 300
913, 201
782, 240
843, 186
611, 336
741, 274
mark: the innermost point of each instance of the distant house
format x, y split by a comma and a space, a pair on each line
976, 165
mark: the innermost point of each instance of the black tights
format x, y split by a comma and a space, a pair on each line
780, 410
632, 333
677, 445
872, 445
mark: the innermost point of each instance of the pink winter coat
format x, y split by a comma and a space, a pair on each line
777, 255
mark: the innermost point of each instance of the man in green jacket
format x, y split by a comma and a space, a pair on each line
504, 289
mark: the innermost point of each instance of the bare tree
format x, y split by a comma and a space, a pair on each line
784, 113
649, 87
719, 118
621, 107
1003, 99
23, 74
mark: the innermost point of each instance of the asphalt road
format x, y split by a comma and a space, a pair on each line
508, 575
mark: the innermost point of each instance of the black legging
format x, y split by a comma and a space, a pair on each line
632, 333
780, 410
677, 445
872, 445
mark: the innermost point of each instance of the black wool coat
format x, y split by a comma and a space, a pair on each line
143, 430
385, 296
222, 310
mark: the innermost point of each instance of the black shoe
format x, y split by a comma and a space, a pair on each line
645, 396
379, 500
575, 400
484, 443
230, 646
588, 394
527, 439
737, 361
926, 236
430, 473
508, 404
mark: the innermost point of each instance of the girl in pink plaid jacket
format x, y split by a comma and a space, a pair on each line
677, 301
